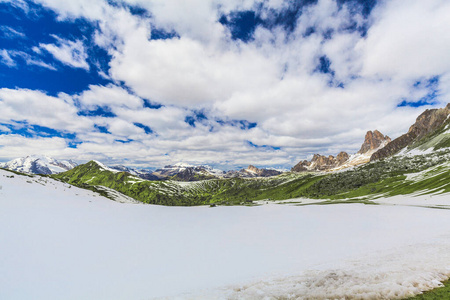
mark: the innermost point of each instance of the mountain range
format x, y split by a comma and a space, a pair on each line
38, 164
45, 165
414, 163
373, 142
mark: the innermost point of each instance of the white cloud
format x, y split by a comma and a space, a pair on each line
9, 58
110, 95
17, 3
184, 72
11, 33
40, 109
271, 80
6, 58
70, 53
408, 40
18, 146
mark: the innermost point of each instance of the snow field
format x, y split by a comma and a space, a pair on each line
66, 243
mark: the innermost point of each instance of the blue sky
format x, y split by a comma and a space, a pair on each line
221, 82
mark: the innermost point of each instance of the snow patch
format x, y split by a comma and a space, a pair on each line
117, 196
105, 168
84, 246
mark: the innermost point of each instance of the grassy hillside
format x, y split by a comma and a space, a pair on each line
170, 192
427, 173
399, 175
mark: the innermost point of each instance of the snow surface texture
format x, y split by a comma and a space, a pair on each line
66, 243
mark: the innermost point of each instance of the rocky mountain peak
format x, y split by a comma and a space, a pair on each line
253, 171
427, 122
321, 162
373, 140
252, 168
38, 164
342, 157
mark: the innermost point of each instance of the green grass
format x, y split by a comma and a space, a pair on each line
219, 191
390, 177
435, 294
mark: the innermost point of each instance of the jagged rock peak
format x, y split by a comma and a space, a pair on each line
373, 140
342, 157
252, 168
252, 171
427, 122
321, 162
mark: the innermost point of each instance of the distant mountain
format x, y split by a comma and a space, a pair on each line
252, 171
373, 142
39, 164
45, 165
187, 172
144, 174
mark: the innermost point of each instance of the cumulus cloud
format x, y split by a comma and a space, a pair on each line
35, 107
110, 95
408, 41
70, 53
15, 145
314, 88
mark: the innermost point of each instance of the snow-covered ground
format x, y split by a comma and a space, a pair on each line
58, 242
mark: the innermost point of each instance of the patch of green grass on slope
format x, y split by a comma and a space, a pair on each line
441, 293
221, 191
399, 175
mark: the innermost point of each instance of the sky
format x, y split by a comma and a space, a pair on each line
226, 83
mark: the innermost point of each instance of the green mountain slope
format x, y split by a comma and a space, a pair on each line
402, 174
171, 192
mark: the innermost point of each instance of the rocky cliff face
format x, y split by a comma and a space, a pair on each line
428, 122
192, 174
321, 163
373, 140
341, 158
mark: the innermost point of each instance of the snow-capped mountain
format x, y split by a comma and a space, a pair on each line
187, 172
252, 171
38, 164
144, 174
